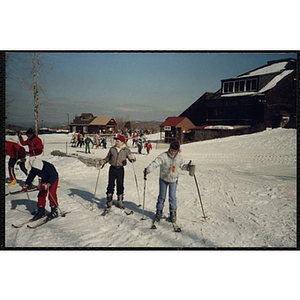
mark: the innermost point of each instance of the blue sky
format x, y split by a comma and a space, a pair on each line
132, 86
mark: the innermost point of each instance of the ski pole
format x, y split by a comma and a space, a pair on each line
145, 178
95, 189
191, 169
62, 214
137, 187
199, 196
32, 212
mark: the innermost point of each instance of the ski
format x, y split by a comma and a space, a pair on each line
21, 191
46, 221
106, 211
20, 225
176, 227
155, 224
127, 211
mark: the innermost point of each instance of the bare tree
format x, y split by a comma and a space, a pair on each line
27, 71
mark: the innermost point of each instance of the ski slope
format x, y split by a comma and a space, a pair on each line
247, 185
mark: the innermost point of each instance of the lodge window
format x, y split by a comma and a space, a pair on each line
239, 86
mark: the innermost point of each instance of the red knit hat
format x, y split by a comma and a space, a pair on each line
121, 138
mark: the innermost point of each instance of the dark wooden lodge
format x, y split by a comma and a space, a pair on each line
89, 124
261, 98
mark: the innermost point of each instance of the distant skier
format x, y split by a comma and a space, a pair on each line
170, 163
117, 156
49, 185
104, 142
148, 146
133, 140
78, 138
140, 142
16, 152
87, 141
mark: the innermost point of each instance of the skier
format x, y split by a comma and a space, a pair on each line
49, 184
133, 140
74, 139
33, 142
81, 140
140, 142
15, 152
78, 139
117, 158
170, 162
87, 141
148, 146
104, 142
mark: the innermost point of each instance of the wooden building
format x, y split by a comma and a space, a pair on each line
87, 123
176, 128
261, 98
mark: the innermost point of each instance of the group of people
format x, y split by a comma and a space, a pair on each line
78, 140
170, 162
43, 169
140, 142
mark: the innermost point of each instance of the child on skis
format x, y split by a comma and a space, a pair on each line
49, 184
169, 162
148, 146
117, 158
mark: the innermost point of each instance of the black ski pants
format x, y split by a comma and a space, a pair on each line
11, 166
115, 174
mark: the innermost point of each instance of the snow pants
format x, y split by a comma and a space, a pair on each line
11, 166
115, 174
52, 194
163, 186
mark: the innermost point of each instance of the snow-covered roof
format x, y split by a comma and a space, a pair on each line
277, 68
268, 69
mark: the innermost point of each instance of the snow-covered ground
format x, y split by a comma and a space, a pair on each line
247, 185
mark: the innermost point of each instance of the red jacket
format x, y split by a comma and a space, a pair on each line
148, 146
14, 150
35, 145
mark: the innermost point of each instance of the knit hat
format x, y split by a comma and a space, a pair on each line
37, 164
121, 138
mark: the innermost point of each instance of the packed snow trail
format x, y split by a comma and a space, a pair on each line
247, 185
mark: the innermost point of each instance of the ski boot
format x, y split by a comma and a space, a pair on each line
40, 213
158, 215
109, 200
173, 216
120, 203
53, 214
13, 182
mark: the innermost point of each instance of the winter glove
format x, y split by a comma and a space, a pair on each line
131, 158
25, 188
145, 174
100, 164
191, 168
189, 165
